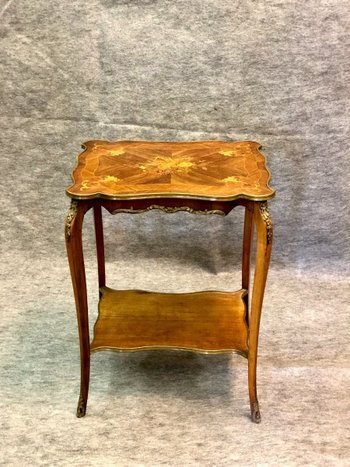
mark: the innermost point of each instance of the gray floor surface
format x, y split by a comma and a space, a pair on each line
174, 408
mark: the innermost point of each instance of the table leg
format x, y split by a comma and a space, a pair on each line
73, 234
264, 234
100, 246
246, 254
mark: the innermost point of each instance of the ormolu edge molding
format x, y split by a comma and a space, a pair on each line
73, 209
169, 209
265, 213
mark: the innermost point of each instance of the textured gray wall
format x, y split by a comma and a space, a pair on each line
272, 71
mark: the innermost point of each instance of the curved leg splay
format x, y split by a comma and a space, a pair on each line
264, 235
73, 234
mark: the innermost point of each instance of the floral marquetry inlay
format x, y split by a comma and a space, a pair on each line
139, 169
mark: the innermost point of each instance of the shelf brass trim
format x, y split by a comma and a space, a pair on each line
242, 353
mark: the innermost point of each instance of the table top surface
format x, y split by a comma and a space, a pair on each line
214, 170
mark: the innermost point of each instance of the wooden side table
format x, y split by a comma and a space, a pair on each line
206, 177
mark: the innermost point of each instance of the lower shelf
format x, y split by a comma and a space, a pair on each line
201, 321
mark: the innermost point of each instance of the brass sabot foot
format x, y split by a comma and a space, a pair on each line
255, 411
81, 409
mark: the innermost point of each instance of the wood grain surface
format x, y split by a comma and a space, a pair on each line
202, 321
215, 170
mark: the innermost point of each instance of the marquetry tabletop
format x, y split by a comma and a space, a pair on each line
212, 170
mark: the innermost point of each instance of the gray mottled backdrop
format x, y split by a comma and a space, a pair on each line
272, 71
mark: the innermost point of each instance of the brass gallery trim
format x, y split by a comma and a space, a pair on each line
170, 210
265, 213
73, 209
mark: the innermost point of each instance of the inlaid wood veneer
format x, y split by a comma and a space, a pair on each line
141, 169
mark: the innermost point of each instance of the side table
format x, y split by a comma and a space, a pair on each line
204, 177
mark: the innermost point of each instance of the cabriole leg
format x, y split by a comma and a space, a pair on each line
263, 224
73, 235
